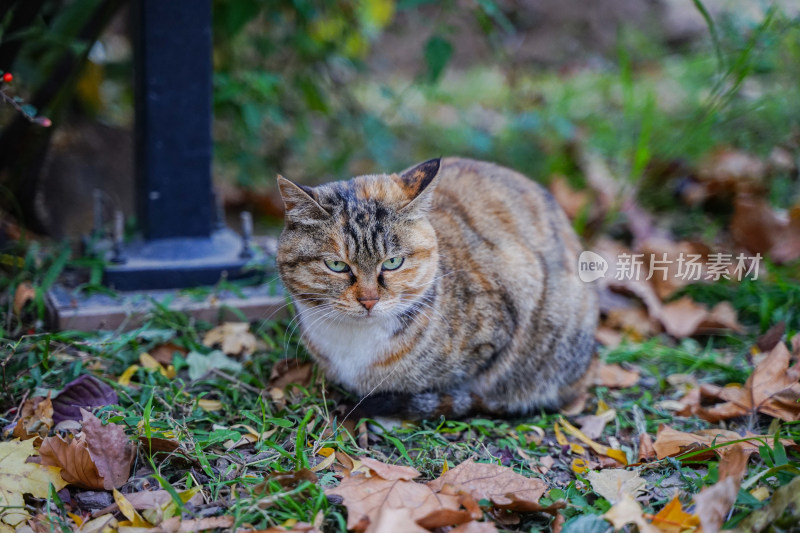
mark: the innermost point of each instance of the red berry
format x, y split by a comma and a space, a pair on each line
7, 77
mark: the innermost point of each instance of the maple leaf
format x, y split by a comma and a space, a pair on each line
772, 389
18, 477
612, 484
365, 497
498, 484
628, 511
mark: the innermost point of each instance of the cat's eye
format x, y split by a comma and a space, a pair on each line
337, 266
392, 263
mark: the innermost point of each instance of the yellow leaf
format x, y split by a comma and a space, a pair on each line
149, 362
617, 455
326, 452
290, 523
673, 519
325, 463
579, 466
125, 378
209, 405
75, 518
560, 438
126, 508
446, 467
18, 477
760, 494
602, 407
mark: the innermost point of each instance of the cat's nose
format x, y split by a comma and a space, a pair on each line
368, 303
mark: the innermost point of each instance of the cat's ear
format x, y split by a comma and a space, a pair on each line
418, 183
300, 201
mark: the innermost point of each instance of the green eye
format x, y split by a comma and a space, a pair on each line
337, 266
392, 263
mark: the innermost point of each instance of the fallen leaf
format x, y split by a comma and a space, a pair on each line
728, 171
646, 450
673, 443
24, 294
390, 472
614, 483
475, 527
614, 376
286, 371
209, 405
773, 389
391, 520
760, 229
617, 455
365, 497
572, 201
685, 318
178, 525
17, 477
713, 503
165, 353
36, 419
200, 365
233, 338
628, 511
673, 519
498, 484
149, 362
72, 457
111, 450
82, 393
772, 337
129, 512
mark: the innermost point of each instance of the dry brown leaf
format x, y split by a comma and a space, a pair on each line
392, 520
148, 499
615, 377
233, 338
608, 337
772, 389
659, 249
164, 353
286, 371
646, 450
475, 527
24, 294
573, 202
390, 472
72, 456
727, 171
628, 511
498, 484
177, 525
365, 497
36, 419
772, 337
760, 229
713, 503
685, 317
673, 443
111, 450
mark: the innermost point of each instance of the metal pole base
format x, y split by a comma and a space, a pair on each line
180, 262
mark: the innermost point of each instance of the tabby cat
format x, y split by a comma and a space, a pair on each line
450, 288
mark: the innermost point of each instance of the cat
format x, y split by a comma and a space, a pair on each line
448, 289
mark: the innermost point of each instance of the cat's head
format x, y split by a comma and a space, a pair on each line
363, 248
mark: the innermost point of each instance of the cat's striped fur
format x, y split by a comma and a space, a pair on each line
486, 313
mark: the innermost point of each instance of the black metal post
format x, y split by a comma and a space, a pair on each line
181, 245
173, 118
